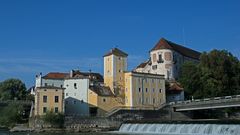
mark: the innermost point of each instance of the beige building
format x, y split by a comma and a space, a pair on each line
49, 98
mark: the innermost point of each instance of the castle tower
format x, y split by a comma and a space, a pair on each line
115, 64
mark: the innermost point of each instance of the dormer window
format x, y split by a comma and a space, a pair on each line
154, 67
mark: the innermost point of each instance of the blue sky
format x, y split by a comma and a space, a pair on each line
55, 35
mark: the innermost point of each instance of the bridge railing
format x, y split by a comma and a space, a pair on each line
233, 98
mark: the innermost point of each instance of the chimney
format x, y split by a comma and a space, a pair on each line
71, 73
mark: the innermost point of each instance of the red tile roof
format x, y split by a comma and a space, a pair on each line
165, 44
117, 52
56, 75
175, 86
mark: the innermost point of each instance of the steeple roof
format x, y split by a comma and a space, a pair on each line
117, 52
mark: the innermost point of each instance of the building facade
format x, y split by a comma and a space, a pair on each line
138, 90
49, 99
76, 86
144, 90
166, 58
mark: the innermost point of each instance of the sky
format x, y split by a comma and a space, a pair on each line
60, 35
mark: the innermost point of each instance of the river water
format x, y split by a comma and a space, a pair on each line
159, 129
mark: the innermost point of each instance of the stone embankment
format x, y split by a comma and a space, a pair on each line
91, 124
76, 124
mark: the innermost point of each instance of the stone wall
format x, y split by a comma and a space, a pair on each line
93, 124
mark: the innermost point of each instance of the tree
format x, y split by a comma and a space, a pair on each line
11, 114
189, 78
217, 74
55, 119
12, 89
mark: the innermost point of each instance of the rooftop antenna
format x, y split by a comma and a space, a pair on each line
183, 32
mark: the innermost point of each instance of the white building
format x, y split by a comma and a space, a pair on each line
76, 86
166, 58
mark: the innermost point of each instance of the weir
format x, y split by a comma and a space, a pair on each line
181, 129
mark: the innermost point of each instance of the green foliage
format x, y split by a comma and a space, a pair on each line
56, 119
12, 89
217, 74
11, 114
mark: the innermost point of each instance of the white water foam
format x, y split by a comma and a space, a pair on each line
181, 129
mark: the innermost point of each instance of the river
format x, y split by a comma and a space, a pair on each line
159, 129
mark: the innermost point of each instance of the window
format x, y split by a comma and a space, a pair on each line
139, 89
153, 100
160, 59
44, 99
56, 109
104, 100
45, 90
45, 84
61, 86
153, 90
145, 80
119, 70
154, 67
66, 94
44, 109
119, 58
56, 99
152, 80
160, 90
74, 102
146, 90
75, 85
56, 90
66, 102
139, 80
154, 57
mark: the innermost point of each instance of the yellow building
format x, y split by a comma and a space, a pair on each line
144, 90
49, 98
102, 100
115, 64
138, 90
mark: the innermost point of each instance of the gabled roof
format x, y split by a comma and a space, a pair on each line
56, 75
175, 87
143, 65
165, 44
91, 75
101, 90
117, 52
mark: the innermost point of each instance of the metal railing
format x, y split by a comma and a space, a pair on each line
150, 107
213, 100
